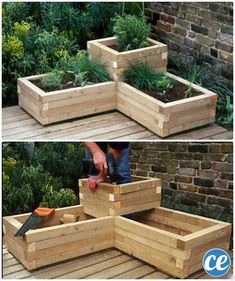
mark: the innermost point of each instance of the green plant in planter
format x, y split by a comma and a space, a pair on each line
52, 80
132, 32
87, 71
143, 76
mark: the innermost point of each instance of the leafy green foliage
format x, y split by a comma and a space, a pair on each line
39, 36
132, 32
225, 111
143, 76
210, 78
52, 81
39, 174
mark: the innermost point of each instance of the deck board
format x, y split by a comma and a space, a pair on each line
19, 125
106, 264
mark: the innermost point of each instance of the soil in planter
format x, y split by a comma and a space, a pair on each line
177, 92
66, 83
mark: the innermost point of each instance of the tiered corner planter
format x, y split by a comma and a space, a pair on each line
55, 106
165, 119
175, 242
52, 242
154, 55
141, 194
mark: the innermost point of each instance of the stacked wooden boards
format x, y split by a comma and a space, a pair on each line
52, 242
55, 106
165, 119
173, 241
109, 199
154, 55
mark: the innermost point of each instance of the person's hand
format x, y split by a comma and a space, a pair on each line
94, 180
100, 161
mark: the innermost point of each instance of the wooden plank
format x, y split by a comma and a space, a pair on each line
75, 264
142, 185
115, 270
157, 275
203, 236
136, 273
138, 201
123, 236
84, 272
134, 208
158, 235
67, 229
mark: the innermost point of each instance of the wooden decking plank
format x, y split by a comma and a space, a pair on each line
66, 267
18, 274
116, 270
77, 128
14, 268
17, 124
203, 132
96, 131
120, 133
10, 262
157, 275
223, 136
96, 268
142, 135
137, 273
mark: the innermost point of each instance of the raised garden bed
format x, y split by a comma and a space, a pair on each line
165, 119
154, 55
141, 194
52, 241
55, 106
173, 241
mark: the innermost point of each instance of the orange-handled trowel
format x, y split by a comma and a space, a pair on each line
34, 219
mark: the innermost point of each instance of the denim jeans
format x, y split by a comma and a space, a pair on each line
123, 166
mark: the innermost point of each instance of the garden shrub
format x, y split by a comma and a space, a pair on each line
52, 81
132, 32
39, 175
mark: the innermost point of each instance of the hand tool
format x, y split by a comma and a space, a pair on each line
34, 219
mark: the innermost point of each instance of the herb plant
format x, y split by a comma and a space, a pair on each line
143, 76
52, 81
132, 32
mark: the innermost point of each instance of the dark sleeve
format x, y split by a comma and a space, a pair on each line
119, 145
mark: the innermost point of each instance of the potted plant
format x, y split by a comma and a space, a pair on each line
131, 43
83, 87
164, 103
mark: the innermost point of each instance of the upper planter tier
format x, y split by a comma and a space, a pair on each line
154, 55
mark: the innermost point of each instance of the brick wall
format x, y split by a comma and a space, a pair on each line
190, 29
196, 177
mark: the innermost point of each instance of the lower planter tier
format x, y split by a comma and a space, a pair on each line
173, 241
55, 106
52, 242
165, 119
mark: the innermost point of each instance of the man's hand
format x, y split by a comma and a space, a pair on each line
94, 180
100, 161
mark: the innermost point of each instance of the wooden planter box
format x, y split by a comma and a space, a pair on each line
174, 242
154, 55
52, 242
165, 119
142, 194
54, 106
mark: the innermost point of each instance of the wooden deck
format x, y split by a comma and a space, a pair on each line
19, 125
107, 264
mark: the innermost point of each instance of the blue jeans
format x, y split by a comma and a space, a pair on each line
123, 166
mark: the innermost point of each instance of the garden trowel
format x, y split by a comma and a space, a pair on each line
34, 219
